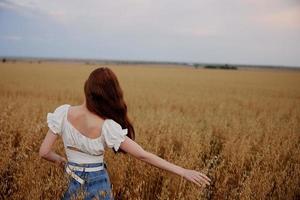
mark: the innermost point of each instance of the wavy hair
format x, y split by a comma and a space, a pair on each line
104, 97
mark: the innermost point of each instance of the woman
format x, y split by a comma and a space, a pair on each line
100, 121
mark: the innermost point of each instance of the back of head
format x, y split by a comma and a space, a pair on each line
104, 97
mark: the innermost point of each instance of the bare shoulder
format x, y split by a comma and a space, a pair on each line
77, 112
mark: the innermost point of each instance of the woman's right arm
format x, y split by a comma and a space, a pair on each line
46, 150
137, 151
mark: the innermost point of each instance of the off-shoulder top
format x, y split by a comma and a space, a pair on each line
80, 148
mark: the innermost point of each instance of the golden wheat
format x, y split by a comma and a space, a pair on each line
240, 127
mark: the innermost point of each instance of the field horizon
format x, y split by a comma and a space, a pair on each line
153, 63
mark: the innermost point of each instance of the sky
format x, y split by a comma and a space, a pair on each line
265, 32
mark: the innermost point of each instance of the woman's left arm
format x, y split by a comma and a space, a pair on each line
46, 151
137, 151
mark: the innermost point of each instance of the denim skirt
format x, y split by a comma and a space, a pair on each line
97, 184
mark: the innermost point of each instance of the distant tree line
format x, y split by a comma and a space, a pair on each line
226, 66
10, 60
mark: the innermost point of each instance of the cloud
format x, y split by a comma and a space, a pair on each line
284, 19
197, 18
190, 30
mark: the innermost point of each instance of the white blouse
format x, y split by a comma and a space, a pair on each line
78, 147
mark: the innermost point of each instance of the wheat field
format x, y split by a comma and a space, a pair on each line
241, 128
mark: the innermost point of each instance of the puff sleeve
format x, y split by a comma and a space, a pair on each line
113, 134
55, 119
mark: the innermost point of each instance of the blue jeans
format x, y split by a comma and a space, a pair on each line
97, 184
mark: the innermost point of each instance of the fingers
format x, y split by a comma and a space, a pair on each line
198, 178
201, 179
204, 176
194, 181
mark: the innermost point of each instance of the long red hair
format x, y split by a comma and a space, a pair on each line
104, 97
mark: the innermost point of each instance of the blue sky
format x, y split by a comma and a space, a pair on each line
229, 31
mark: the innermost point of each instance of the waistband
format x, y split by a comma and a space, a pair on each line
87, 165
71, 167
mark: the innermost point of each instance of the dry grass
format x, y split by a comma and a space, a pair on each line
240, 127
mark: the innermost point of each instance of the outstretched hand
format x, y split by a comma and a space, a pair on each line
196, 177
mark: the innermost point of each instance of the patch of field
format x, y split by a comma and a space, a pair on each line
242, 127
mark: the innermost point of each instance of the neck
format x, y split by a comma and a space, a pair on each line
83, 105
